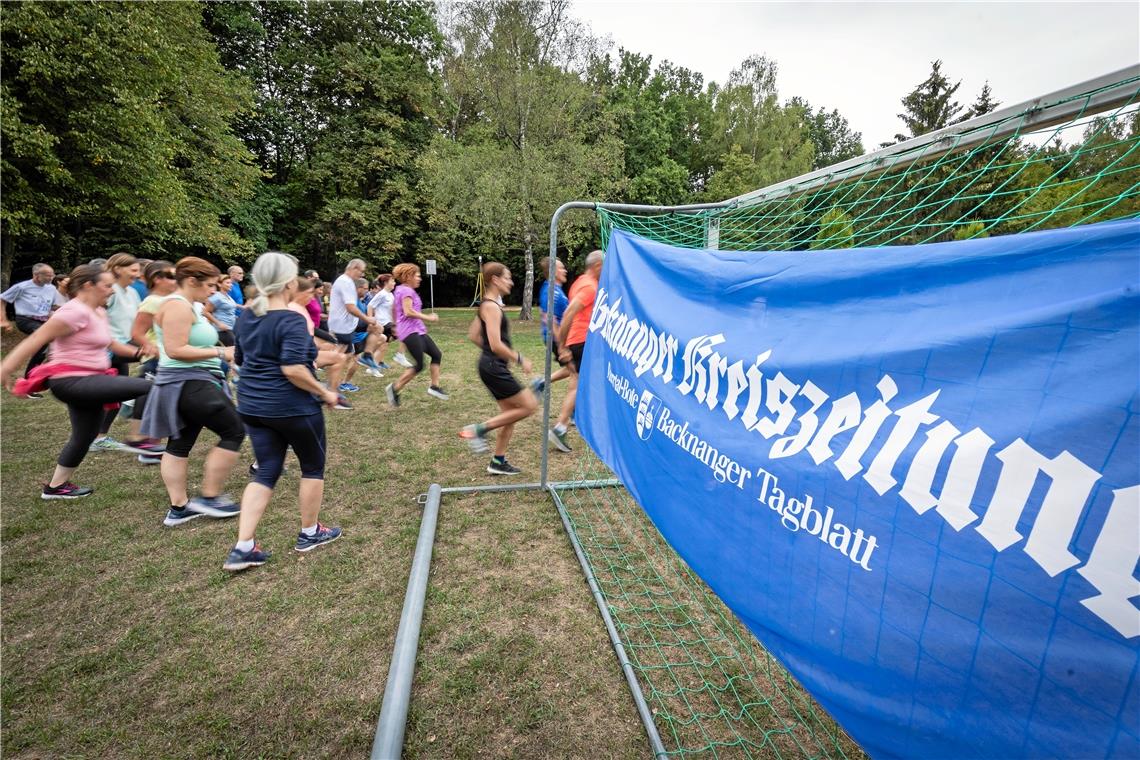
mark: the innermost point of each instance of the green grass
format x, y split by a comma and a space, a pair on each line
122, 638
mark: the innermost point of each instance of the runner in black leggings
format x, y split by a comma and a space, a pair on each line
79, 372
189, 394
411, 330
280, 401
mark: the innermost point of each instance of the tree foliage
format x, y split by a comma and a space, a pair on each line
116, 118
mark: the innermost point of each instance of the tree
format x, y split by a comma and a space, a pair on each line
930, 106
117, 122
830, 134
757, 140
984, 104
346, 104
517, 68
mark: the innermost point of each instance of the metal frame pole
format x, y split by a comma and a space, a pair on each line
389, 741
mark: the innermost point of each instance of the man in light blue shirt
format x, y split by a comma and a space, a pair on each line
34, 301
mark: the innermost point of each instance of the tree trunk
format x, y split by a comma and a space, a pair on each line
9, 250
528, 282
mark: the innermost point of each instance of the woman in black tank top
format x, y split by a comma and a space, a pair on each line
494, 338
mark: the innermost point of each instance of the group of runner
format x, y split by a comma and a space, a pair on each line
193, 328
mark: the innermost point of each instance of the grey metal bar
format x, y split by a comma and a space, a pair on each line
389, 741
1104, 92
562, 484
643, 710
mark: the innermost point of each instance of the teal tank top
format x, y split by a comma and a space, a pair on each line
202, 335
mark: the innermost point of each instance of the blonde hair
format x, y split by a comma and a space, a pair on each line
119, 261
271, 273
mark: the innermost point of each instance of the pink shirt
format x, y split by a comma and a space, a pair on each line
87, 345
304, 312
314, 308
406, 325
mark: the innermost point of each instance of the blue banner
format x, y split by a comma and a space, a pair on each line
911, 472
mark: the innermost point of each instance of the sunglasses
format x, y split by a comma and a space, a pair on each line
165, 275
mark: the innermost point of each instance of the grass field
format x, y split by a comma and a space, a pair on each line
123, 638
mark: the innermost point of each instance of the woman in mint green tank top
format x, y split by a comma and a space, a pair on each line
191, 395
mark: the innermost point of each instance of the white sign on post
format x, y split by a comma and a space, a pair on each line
429, 265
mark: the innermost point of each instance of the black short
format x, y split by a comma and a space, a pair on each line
346, 339
555, 350
390, 331
226, 337
495, 374
576, 355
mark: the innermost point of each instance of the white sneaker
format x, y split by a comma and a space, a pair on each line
373, 372
402, 360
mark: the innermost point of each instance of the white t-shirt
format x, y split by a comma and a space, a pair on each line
343, 292
381, 305
121, 310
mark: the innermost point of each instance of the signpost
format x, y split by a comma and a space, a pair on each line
429, 265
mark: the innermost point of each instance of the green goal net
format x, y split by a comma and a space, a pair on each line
712, 688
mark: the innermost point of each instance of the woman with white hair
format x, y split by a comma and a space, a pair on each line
279, 398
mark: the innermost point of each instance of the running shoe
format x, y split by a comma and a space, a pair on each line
341, 403
475, 441
538, 387
373, 372
178, 515
402, 360
348, 388
239, 560
34, 396
147, 447
107, 443
65, 491
559, 440
324, 535
144, 459
220, 507
500, 466
392, 394
384, 365
439, 393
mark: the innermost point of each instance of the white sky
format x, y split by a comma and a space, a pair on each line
862, 58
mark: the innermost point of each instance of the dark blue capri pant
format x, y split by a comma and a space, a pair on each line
272, 436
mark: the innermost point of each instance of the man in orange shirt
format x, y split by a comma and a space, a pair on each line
572, 338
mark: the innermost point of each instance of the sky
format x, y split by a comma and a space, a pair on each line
862, 58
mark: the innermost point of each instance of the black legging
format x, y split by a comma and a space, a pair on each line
85, 397
418, 345
122, 365
28, 326
203, 404
271, 436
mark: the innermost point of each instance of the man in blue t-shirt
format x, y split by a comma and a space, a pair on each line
237, 274
554, 319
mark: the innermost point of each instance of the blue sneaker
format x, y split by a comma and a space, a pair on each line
324, 535
348, 388
384, 365
178, 515
214, 506
239, 560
